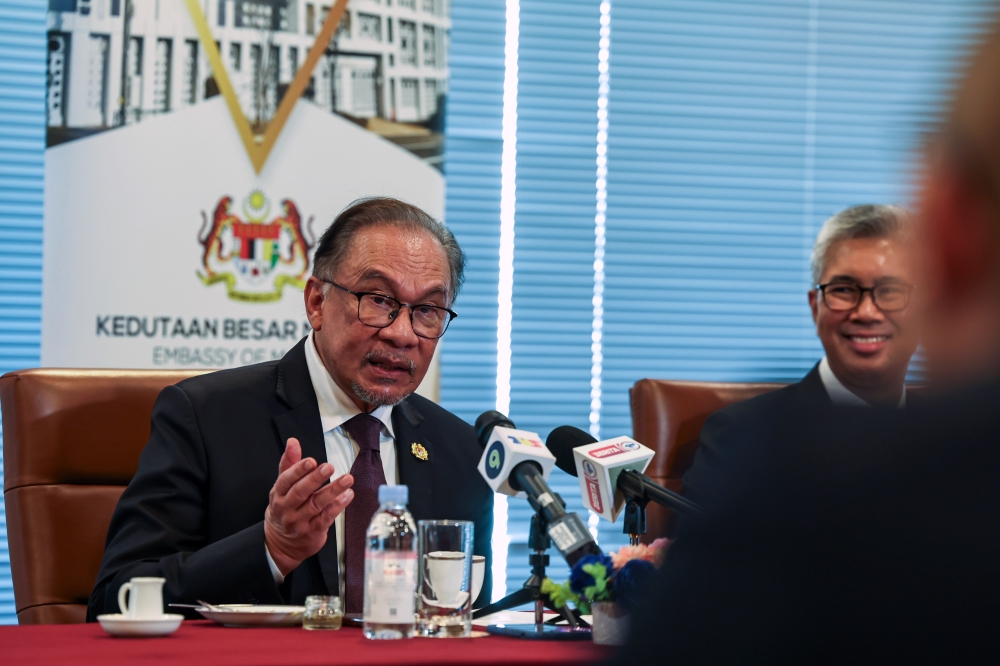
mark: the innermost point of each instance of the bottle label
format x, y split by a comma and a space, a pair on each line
390, 587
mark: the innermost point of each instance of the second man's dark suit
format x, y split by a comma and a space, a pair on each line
730, 428
194, 511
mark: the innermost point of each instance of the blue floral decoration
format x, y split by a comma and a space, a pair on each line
579, 580
630, 581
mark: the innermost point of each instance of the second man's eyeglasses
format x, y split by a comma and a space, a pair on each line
843, 296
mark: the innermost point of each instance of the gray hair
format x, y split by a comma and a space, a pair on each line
864, 221
372, 211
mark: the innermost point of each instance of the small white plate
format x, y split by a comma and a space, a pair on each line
248, 615
119, 625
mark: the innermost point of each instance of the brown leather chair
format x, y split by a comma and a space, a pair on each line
71, 443
667, 417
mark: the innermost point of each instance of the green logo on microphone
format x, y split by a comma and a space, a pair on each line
494, 460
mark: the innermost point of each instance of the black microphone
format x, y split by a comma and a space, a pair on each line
515, 461
632, 484
487, 421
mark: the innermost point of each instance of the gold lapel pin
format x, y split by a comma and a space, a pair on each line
418, 451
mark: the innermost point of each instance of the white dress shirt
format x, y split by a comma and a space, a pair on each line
336, 408
840, 394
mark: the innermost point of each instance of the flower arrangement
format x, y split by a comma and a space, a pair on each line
619, 577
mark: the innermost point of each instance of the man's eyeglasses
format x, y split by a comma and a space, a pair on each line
379, 311
844, 296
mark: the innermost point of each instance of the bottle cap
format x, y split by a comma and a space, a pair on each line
393, 494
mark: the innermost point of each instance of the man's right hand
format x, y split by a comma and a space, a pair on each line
301, 510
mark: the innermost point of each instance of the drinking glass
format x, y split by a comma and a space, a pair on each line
444, 592
322, 612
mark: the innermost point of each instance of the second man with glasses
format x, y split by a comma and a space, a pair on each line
863, 306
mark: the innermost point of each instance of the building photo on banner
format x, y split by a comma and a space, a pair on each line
184, 244
637, 185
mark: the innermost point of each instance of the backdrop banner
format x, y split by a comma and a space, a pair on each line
189, 175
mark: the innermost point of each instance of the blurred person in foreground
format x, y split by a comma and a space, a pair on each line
243, 493
863, 275
872, 536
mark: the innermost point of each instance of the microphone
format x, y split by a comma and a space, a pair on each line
517, 463
611, 472
507, 449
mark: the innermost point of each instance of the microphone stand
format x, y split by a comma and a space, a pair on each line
531, 592
639, 490
635, 519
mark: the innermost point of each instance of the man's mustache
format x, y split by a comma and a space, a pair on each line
391, 359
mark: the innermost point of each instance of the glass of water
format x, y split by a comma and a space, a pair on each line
444, 592
322, 612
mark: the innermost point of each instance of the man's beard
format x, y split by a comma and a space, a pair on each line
381, 399
378, 399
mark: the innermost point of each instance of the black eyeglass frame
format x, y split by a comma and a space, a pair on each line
395, 313
861, 295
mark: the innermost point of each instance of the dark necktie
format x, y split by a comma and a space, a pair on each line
368, 476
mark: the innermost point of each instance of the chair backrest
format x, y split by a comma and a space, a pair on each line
71, 443
667, 417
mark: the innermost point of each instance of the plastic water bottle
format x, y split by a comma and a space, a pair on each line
390, 568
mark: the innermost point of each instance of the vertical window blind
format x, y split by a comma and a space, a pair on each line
473, 153
473, 149
734, 129
22, 151
553, 239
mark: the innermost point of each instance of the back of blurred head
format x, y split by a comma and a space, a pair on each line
959, 227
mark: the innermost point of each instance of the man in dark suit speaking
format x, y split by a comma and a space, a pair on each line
258, 483
863, 275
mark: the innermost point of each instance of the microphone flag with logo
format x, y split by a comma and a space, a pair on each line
616, 464
505, 449
599, 465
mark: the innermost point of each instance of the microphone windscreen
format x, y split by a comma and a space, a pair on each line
561, 443
489, 420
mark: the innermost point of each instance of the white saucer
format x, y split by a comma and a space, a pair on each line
119, 625
249, 615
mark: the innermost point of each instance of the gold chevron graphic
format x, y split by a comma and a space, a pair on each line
259, 147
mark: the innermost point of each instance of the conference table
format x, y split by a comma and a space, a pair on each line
203, 642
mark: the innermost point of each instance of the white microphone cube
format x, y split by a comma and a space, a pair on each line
598, 466
508, 448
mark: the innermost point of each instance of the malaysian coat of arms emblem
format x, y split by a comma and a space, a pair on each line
255, 258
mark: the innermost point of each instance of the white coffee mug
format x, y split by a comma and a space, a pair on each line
445, 571
145, 598
478, 572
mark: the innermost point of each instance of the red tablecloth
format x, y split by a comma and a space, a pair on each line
204, 642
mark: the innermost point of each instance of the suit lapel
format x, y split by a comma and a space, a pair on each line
302, 421
812, 387
415, 473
